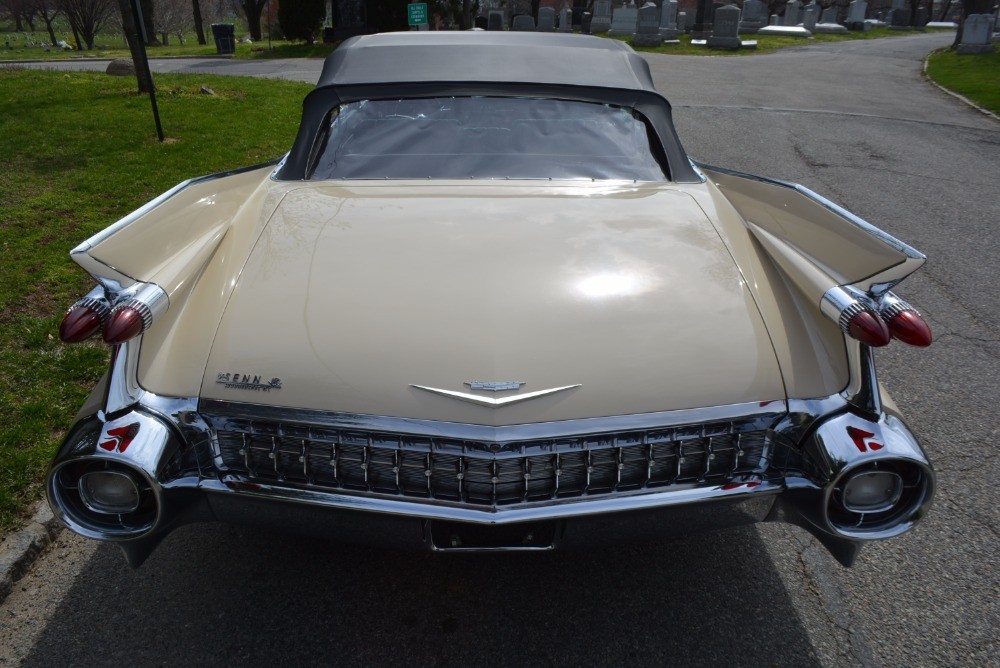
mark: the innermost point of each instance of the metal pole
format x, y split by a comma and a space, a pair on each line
137, 15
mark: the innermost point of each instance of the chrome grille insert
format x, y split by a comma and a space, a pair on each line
488, 473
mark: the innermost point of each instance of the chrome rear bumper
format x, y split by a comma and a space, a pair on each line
176, 461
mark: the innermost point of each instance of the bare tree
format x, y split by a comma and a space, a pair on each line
47, 11
86, 17
172, 17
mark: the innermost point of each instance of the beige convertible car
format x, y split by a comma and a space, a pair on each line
487, 302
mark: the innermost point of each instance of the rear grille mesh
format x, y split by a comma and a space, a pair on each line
488, 473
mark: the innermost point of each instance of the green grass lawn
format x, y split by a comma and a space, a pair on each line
976, 76
79, 152
113, 46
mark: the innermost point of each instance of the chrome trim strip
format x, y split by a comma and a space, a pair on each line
112, 280
771, 410
862, 391
490, 401
855, 220
576, 507
123, 385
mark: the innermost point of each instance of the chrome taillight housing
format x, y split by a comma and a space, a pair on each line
124, 316
856, 315
875, 323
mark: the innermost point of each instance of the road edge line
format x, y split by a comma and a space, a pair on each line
21, 549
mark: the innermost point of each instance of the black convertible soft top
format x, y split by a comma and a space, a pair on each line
512, 57
423, 64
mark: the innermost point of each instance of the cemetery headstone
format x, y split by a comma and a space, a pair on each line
725, 28
647, 32
624, 21
546, 19
586, 23
496, 20
791, 14
810, 16
829, 15
856, 12
754, 17
702, 27
601, 21
523, 23
976, 33
899, 18
668, 20
565, 20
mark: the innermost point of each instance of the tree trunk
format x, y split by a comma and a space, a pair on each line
199, 27
17, 22
142, 77
944, 10
48, 26
164, 39
252, 10
147, 22
76, 36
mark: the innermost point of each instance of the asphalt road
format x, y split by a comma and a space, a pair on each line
853, 121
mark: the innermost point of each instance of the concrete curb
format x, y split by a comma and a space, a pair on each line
953, 93
19, 550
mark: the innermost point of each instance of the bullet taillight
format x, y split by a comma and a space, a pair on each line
856, 315
84, 318
867, 327
132, 314
875, 324
905, 322
126, 322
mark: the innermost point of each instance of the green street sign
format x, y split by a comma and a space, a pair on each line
417, 13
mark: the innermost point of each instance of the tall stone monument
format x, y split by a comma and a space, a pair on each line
702, 28
668, 20
791, 14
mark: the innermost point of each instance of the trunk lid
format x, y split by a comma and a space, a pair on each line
354, 294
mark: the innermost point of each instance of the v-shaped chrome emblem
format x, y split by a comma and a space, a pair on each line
489, 401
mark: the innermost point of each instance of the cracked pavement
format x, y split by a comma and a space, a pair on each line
853, 121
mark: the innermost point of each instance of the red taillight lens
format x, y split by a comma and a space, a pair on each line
866, 327
909, 327
125, 323
80, 323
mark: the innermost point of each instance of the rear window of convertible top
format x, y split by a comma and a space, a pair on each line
484, 138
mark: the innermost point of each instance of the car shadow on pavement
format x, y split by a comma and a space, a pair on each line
220, 595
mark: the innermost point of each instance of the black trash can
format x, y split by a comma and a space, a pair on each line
225, 37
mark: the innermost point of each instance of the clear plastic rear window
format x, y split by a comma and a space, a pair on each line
485, 138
